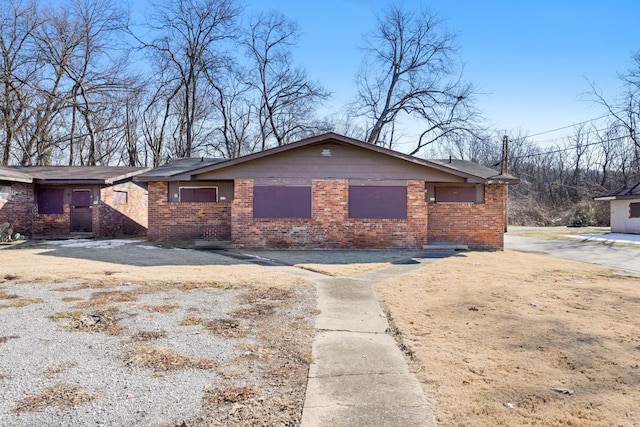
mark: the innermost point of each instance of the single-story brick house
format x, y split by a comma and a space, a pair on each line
625, 209
48, 201
327, 191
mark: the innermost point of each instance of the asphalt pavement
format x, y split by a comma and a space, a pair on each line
619, 251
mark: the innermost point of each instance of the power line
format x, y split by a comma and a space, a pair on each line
560, 150
569, 126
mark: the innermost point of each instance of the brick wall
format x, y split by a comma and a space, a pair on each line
480, 226
186, 221
330, 225
108, 220
113, 219
19, 211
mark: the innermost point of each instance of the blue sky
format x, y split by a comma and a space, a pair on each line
531, 60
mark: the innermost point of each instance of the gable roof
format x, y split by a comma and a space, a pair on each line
632, 192
184, 169
68, 174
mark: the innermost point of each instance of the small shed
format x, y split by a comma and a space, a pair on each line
55, 201
328, 191
624, 209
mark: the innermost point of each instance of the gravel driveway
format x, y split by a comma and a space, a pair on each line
153, 352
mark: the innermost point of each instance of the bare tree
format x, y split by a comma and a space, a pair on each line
18, 21
626, 108
189, 36
287, 97
410, 69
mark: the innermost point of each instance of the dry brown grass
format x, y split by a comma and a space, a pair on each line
162, 359
148, 335
60, 395
21, 302
4, 295
539, 325
256, 311
99, 321
163, 308
107, 297
7, 338
59, 369
227, 328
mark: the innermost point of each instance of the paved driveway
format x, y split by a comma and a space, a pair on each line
601, 252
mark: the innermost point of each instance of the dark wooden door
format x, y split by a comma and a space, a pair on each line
81, 211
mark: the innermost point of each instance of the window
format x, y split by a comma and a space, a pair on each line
120, 197
198, 194
455, 194
281, 202
378, 202
634, 210
5, 192
50, 200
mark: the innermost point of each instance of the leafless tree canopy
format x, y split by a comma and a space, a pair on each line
82, 85
411, 69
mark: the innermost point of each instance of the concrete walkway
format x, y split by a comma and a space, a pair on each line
359, 377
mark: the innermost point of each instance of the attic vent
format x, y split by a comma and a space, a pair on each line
326, 152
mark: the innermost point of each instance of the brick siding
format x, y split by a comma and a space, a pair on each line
330, 225
19, 210
479, 226
186, 221
122, 219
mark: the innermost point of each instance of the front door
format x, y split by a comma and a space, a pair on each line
81, 211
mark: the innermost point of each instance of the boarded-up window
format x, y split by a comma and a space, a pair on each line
5, 192
455, 194
277, 201
81, 198
634, 210
378, 202
120, 197
198, 194
50, 200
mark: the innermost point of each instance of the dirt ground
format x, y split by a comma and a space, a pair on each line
510, 338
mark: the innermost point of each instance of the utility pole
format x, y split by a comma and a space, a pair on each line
504, 169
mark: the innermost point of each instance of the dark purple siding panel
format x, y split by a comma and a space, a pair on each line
378, 202
281, 202
50, 200
198, 195
455, 194
634, 210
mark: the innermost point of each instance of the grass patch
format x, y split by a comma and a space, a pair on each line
7, 338
148, 335
71, 299
101, 321
192, 320
21, 302
59, 369
107, 297
4, 295
158, 308
60, 395
162, 359
73, 315
214, 398
227, 328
